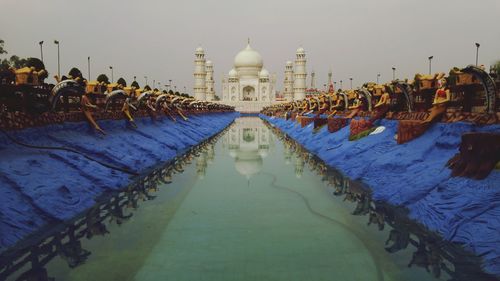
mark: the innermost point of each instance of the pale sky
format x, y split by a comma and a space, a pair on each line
355, 38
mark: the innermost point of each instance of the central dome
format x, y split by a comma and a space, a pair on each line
248, 57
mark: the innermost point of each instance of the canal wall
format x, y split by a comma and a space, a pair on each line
40, 187
414, 175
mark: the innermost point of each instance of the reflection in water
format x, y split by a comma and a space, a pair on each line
248, 143
430, 251
27, 261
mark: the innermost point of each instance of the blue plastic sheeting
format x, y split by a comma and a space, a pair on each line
414, 175
42, 186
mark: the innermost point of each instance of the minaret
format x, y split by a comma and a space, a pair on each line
313, 80
209, 81
288, 83
199, 75
300, 75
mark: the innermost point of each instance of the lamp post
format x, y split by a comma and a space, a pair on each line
41, 50
146, 78
430, 64
335, 84
169, 84
351, 82
326, 89
88, 66
58, 60
154, 83
393, 73
112, 76
477, 52
340, 84
378, 78
135, 78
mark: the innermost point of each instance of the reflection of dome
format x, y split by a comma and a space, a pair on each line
248, 57
248, 163
263, 152
233, 153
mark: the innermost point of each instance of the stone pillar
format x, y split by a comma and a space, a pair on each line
300, 75
199, 88
209, 81
288, 83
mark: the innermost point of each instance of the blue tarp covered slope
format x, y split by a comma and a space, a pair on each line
42, 186
414, 175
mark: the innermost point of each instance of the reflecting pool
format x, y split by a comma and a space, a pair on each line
248, 205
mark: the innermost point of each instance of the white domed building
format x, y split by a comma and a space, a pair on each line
248, 86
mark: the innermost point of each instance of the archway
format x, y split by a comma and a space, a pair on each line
248, 93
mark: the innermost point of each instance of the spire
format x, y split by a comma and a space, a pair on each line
313, 81
330, 77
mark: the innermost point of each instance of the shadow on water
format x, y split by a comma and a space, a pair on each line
67, 241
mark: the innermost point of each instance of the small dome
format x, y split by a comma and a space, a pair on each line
200, 50
289, 63
209, 63
233, 73
248, 57
264, 73
301, 50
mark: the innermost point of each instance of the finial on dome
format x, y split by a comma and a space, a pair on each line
248, 40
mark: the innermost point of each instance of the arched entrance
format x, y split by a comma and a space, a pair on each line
249, 93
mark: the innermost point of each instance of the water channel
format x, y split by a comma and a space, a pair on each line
249, 205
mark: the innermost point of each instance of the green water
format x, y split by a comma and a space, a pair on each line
245, 209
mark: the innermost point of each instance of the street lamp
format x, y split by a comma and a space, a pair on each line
335, 84
324, 85
41, 50
154, 83
145, 77
351, 82
477, 52
378, 77
58, 60
340, 84
430, 64
88, 66
112, 76
135, 78
393, 73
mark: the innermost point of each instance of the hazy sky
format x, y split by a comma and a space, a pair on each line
355, 38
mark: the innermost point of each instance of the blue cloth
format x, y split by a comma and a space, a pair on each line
414, 175
42, 186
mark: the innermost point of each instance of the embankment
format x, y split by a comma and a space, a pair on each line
414, 175
40, 187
